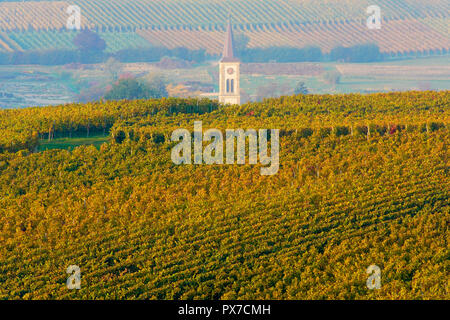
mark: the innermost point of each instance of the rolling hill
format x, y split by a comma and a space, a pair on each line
363, 180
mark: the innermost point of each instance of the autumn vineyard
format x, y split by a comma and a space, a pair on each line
363, 179
410, 27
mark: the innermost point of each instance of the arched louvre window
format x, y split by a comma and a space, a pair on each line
228, 85
232, 86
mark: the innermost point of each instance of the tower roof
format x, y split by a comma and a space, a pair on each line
228, 50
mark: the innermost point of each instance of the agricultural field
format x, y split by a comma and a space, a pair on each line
397, 37
363, 180
409, 26
39, 86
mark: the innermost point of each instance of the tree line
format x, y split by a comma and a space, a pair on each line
90, 49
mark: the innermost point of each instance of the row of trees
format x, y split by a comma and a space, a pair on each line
368, 52
22, 128
358, 53
421, 111
90, 49
361, 53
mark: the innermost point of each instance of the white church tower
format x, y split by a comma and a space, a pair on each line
229, 79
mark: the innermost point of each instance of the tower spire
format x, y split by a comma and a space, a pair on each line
229, 71
228, 50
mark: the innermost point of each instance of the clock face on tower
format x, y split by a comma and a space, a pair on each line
230, 71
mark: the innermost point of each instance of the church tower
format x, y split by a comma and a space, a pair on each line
229, 71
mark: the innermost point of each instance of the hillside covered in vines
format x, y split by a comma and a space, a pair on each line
363, 180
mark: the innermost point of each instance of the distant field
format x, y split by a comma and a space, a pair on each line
409, 26
45, 85
362, 180
398, 37
70, 143
433, 72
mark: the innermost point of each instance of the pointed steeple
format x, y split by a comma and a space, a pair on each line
228, 50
